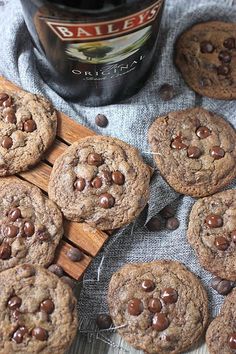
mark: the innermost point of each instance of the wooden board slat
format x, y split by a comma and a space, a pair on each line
55, 151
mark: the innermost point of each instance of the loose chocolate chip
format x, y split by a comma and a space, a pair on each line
223, 70
29, 126
40, 333
3, 97
47, 306
14, 302
193, 152
7, 142
29, 229
154, 305
11, 231
19, 334
169, 295
14, 214
118, 178
178, 144
8, 102
232, 341
96, 182
101, 121
203, 132
106, 175
80, 184
148, 285
166, 92
217, 152
68, 281
106, 201
5, 251
224, 56
56, 269
233, 236
135, 307
160, 322
214, 220
229, 43
221, 243
224, 287
167, 212
10, 117
74, 254
154, 224
95, 159
172, 223
103, 321
207, 47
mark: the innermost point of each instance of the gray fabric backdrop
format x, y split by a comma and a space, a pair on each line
128, 121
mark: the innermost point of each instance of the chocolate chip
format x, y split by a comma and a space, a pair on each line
203, 132
154, 305
135, 307
5, 251
193, 152
19, 334
215, 281
214, 220
14, 214
205, 82
222, 286
118, 178
233, 236
7, 142
56, 269
224, 56
29, 228
169, 295
172, 223
80, 184
166, 92
3, 97
106, 175
178, 144
106, 201
217, 152
29, 126
148, 285
11, 231
10, 117
43, 235
232, 341
96, 182
95, 159
68, 281
154, 224
223, 70
47, 306
103, 321
40, 333
229, 43
8, 102
160, 322
101, 121
167, 212
74, 254
221, 243
26, 271
206, 47
14, 302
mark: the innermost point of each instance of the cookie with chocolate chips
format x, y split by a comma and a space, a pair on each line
100, 180
195, 151
38, 312
221, 334
160, 307
212, 233
30, 225
206, 57
27, 128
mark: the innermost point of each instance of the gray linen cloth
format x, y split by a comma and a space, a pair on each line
129, 121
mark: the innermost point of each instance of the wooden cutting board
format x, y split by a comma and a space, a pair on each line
79, 235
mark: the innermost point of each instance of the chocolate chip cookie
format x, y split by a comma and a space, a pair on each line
100, 180
206, 57
30, 224
27, 128
195, 151
212, 233
221, 334
38, 312
161, 307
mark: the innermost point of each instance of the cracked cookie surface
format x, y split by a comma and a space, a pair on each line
30, 224
100, 180
212, 233
37, 310
206, 57
161, 306
27, 128
195, 151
